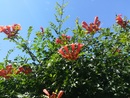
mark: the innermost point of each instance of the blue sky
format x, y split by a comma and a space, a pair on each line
38, 13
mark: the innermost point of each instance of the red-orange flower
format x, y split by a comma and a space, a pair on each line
92, 27
42, 29
60, 94
16, 27
9, 30
53, 95
24, 69
120, 21
6, 72
71, 52
3, 73
9, 70
63, 39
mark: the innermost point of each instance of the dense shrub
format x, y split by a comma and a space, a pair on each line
92, 62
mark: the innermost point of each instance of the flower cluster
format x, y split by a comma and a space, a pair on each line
121, 22
9, 70
63, 39
10, 30
92, 27
71, 51
53, 95
6, 72
24, 69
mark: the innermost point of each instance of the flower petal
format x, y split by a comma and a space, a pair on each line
60, 94
46, 92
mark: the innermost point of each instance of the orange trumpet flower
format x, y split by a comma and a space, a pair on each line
53, 95
120, 21
71, 52
9, 30
92, 27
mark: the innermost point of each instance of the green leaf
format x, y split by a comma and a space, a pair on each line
29, 32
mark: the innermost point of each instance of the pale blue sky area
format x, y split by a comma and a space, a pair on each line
38, 13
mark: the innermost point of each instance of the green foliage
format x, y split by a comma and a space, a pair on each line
101, 71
